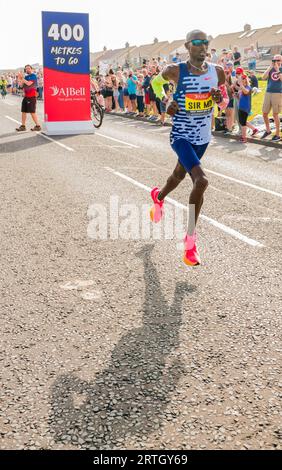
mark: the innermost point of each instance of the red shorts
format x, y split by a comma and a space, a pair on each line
147, 98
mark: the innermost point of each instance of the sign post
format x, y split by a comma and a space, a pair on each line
66, 62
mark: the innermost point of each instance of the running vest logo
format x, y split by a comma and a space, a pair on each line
198, 102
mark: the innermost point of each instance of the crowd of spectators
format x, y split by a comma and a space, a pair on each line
10, 84
128, 90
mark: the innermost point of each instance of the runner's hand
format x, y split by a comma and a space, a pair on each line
216, 95
173, 108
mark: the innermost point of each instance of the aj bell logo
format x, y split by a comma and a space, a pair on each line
67, 92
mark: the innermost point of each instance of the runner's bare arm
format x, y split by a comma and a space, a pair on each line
171, 73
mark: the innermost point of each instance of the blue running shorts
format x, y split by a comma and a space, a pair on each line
189, 155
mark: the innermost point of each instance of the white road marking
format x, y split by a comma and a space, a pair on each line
8, 103
248, 202
235, 180
12, 119
92, 295
117, 140
76, 285
162, 129
224, 228
70, 149
45, 136
250, 185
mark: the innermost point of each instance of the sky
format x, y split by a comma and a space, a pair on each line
113, 23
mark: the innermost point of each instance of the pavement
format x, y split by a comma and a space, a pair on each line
107, 340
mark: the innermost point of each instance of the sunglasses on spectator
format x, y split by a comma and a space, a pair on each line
200, 42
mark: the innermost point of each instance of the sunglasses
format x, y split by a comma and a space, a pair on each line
200, 42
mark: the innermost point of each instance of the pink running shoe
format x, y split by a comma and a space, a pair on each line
157, 211
191, 256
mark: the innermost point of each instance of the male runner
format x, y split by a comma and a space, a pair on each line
199, 85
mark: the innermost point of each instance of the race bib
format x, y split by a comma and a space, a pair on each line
198, 102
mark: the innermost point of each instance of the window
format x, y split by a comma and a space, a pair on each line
251, 33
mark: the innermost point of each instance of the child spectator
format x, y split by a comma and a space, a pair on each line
244, 107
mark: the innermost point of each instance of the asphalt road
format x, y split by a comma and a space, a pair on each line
113, 343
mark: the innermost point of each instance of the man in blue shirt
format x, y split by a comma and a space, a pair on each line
273, 96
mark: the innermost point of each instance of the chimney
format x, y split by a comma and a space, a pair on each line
247, 27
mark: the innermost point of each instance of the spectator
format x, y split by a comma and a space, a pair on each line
3, 87
244, 107
40, 86
146, 87
115, 92
95, 87
229, 111
132, 88
273, 96
127, 102
120, 90
10, 84
153, 98
236, 57
29, 84
223, 58
176, 59
208, 57
214, 56
236, 88
162, 104
229, 56
140, 95
252, 56
108, 93
253, 79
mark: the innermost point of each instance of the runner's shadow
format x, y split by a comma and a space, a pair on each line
129, 398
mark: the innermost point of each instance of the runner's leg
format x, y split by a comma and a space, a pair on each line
200, 184
173, 181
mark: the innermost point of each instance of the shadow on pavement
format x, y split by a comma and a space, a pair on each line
10, 134
129, 398
267, 154
27, 143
